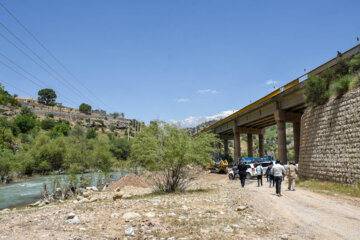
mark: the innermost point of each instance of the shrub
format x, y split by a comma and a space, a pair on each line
354, 63
50, 115
91, 133
341, 86
24, 123
169, 149
62, 128
316, 90
47, 124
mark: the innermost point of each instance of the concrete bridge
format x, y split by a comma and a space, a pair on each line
286, 104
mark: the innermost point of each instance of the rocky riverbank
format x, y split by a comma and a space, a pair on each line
210, 210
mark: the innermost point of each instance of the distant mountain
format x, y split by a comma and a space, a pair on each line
198, 128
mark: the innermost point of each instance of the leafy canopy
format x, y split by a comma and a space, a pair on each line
47, 95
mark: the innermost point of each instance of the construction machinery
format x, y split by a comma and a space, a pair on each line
219, 166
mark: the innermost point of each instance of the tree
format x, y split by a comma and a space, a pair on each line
167, 148
85, 108
47, 95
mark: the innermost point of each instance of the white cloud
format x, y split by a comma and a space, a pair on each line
271, 82
203, 91
181, 100
194, 121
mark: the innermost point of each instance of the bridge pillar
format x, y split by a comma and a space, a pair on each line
261, 145
226, 147
281, 132
296, 129
250, 145
237, 146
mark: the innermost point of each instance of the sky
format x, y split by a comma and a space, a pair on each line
179, 61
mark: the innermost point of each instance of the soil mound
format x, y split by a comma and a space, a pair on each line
131, 180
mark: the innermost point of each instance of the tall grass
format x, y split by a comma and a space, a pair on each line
330, 187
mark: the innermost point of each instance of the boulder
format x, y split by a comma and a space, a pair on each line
117, 196
131, 215
74, 220
93, 188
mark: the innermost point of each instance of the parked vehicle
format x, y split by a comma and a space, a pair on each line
250, 172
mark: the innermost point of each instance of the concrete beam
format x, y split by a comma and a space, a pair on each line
251, 130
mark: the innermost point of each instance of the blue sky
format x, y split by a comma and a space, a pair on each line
172, 60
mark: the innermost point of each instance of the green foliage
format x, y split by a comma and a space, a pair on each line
167, 148
47, 124
317, 90
85, 108
6, 98
120, 148
62, 128
24, 123
50, 115
6, 157
354, 63
334, 82
47, 95
91, 133
341, 86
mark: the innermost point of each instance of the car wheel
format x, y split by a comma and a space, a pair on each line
248, 176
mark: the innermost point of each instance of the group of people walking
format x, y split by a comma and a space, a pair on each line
275, 174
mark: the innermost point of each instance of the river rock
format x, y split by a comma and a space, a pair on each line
93, 188
86, 194
130, 215
74, 220
117, 196
241, 208
228, 229
129, 232
70, 215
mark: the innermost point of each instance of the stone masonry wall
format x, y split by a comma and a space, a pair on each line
330, 140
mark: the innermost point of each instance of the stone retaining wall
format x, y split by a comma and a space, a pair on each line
330, 140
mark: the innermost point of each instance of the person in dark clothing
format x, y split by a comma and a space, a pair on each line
242, 172
271, 176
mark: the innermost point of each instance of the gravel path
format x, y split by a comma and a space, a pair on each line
304, 214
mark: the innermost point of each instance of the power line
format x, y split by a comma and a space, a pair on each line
43, 61
34, 61
29, 79
50, 53
15, 87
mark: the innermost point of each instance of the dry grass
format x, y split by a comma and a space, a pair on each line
330, 187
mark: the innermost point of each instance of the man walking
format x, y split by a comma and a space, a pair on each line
242, 172
271, 175
292, 175
279, 171
259, 173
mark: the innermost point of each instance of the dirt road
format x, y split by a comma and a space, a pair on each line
304, 214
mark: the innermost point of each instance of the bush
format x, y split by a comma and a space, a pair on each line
44, 167
50, 115
169, 149
341, 86
316, 90
62, 128
47, 124
91, 133
354, 63
24, 123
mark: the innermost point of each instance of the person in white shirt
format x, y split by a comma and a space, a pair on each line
279, 172
259, 173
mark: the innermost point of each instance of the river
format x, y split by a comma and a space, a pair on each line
22, 193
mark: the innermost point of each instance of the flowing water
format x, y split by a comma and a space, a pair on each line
22, 193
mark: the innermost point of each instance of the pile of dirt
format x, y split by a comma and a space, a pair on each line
132, 179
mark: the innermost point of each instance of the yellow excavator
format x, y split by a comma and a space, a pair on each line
220, 166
